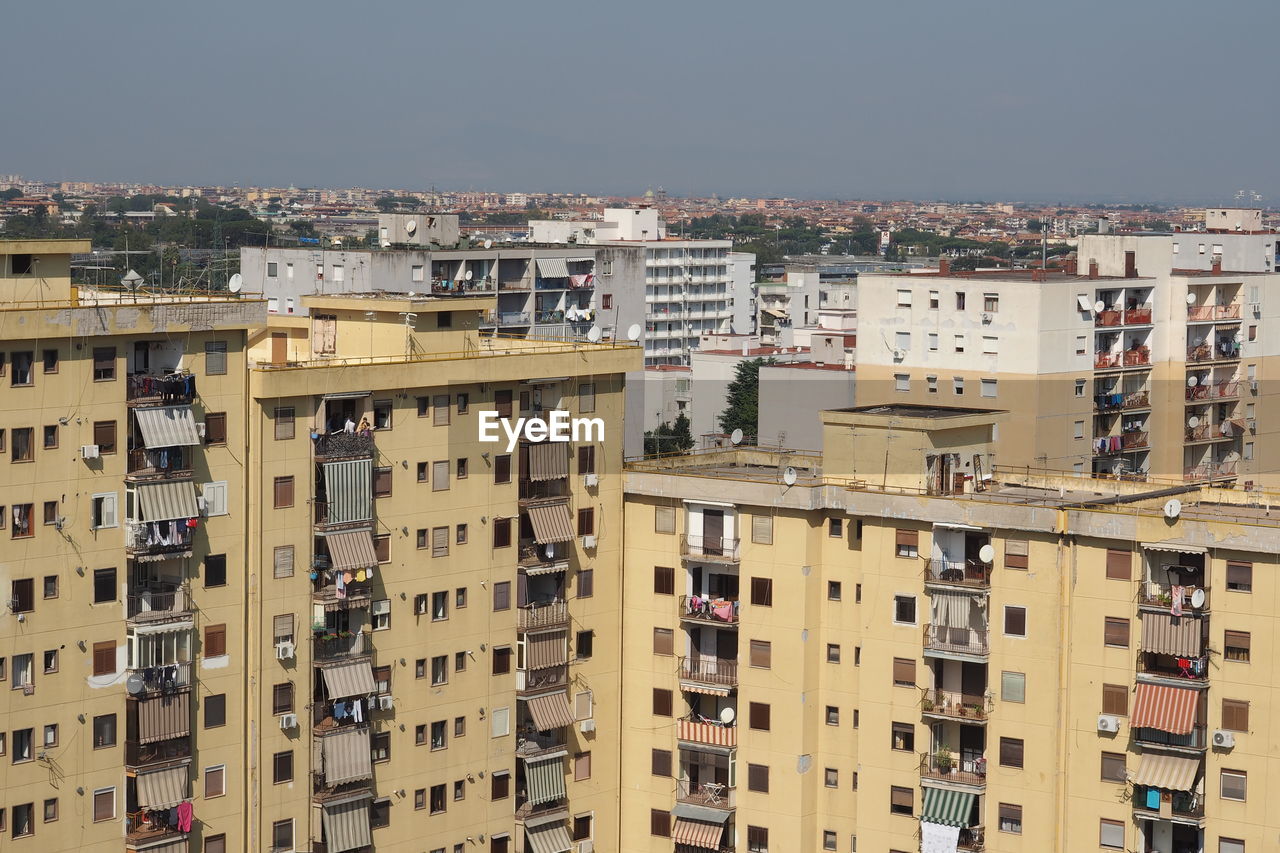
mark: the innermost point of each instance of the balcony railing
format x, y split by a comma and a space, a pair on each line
330, 646
968, 641
709, 670
972, 839
1114, 402
1134, 440
1199, 313
343, 444
1137, 357
716, 548
537, 680
1157, 595
1137, 316
1181, 803
968, 573
1103, 360
327, 594
712, 733
157, 603
1202, 432
505, 318
1195, 739
963, 769
1226, 312
703, 608
159, 679
138, 831
715, 795
1108, 318
166, 462
533, 555
1191, 670
157, 538
1209, 471
324, 720
145, 389
161, 752
955, 705
533, 743
1223, 351
546, 615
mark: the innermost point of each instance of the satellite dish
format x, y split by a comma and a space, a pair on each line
1192, 381
488, 244
633, 332
986, 553
1191, 299
593, 334
1172, 508
469, 275
736, 437
135, 684
1193, 422
1099, 307
728, 714
1197, 598
236, 284
411, 226
386, 244
789, 476
132, 280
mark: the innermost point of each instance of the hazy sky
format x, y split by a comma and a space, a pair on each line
1110, 100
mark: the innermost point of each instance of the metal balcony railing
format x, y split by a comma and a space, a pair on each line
1209, 471
343, 444
708, 670
537, 680
695, 729
152, 538
963, 768
545, 615
972, 641
165, 462
972, 839
703, 608
1195, 739
1158, 595
716, 795
157, 602
330, 646
716, 548
1137, 316
531, 743
147, 389
968, 573
955, 705
161, 752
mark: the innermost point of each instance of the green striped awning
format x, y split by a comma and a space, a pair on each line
942, 805
545, 780
349, 489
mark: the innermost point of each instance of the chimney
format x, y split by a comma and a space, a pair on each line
1216, 265
1093, 269
1069, 266
1039, 275
944, 266
1130, 264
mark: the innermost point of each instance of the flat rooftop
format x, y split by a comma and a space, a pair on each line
911, 410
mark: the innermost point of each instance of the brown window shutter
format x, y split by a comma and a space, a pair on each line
1119, 565
661, 702
759, 716
282, 626
587, 521
661, 762
501, 532
104, 658
663, 641
1116, 631
1235, 715
1011, 752
664, 580
904, 671
907, 537
283, 559
104, 435
758, 778
660, 823
1015, 553
502, 402
502, 469
1115, 700
1240, 576
215, 640
761, 654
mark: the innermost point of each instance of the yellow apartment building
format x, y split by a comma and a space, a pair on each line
903, 646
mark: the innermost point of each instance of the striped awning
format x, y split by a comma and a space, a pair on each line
551, 711
352, 678
1170, 772
551, 523
697, 833
164, 717
947, 806
553, 268
348, 488
177, 845
167, 501
708, 690
1174, 547
347, 756
346, 825
167, 426
1169, 709
352, 549
545, 780
548, 569
163, 789
552, 838
548, 460
543, 651
1172, 635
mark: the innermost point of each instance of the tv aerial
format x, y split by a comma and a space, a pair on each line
132, 281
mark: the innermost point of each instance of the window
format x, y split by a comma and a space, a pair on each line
440, 670
904, 609
382, 482
581, 766
904, 298
104, 659
664, 580
460, 597
582, 827
587, 521
215, 358
583, 643
1235, 646
502, 533
761, 654
440, 542
1240, 576
380, 614
904, 672
104, 364
382, 414
444, 320
215, 781
215, 428
464, 403
51, 733
906, 541
586, 583
835, 528
215, 711
51, 661
282, 698
762, 592
502, 403
758, 716
901, 800
1230, 845
1115, 700
502, 660
381, 747
422, 472
380, 813
215, 844
1115, 631
660, 823
1080, 387
833, 590
990, 302
1111, 834
933, 299
24, 596
664, 519
758, 778
459, 726
663, 641
282, 834
282, 767
215, 498
960, 300
440, 410
932, 339
500, 785
904, 737
1235, 715
587, 397
22, 449
587, 459
439, 735
829, 836
661, 702
833, 715
104, 435
283, 492
988, 388
660, 762
282, 557
1119, 565
833, 653
1234, 785
440, 476
1015, 621
102, 512
757, 839
931, 384
440, 604
1010, 818
1082, 344
501, 469
502, 595
1077, 429
215, 570
959, 343
1113, 769
104, 731
50, 435
1010, 752
902, 381
22, 521
957, 386
215, 640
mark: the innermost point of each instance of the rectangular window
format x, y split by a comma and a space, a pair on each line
834, 590
587, 397
1011, 750
1234, 785
758, 778
104, 731
1239, 576
906, 542
1115, 631
761, 654
1111, 834
1015, 553
988, 388
904, 609
1119, 565
664, 519
1235, 715
959, 343
502, 533
1115, 700
664, 580
587, 521
215, 711
215, 428
440, 476
283, 492
282, 557
284, 423
1113, 769
660, 823
587, 459
583, 644
104, 660
903, 737
104, 364
104, 586
1235, 646
104, 435
904, 672
990, 302
1013, 687
23, 447
1010, 818
104, 804
382, 414
663, 641
282, 767
662, 702
215, 640
833, 653
762, 592
904, 298
758, 716
762, 529
902, 381
439, 409
282, 698
215, 570
215, 358
581, 766
901, 800
660, 762
382, 482
933, 341
1015, 621
757, 839
282, 834
215, 781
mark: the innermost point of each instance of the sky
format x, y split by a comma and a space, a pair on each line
1091, 100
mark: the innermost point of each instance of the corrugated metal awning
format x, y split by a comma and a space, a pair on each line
553, 268
167, 501
1170, 772
346, 825
352, 549
947, 806
177, 845
163, 789
164, 717
697, 833
548, 460
1165, 634
167, 426
545, 780
348, 488
1169, 709
551, 523
704, 813
552, 838
352, 678
347, 756
551, 711
543, 651
1174, 547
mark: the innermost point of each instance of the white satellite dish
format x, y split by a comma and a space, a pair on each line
1193, 422
236, 284
132, 280
727, 716
135, 684
593, 334
633, 332
986, 553
736, 437
789, 476
1192, 381
1191, 299
1099, 307
1197, 598
411, 226
386, 244
1172, 508
488, 244
469, 275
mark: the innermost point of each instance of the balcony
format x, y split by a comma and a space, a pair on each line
338, 445
694, 729
1208, 313
549, 317
1126, 442
1181, 804
499, 319
968, 769
972, 839
1205, 432
551, 614
532, 681
145, 389
541, 812
1173, 671
1137, 317
701, 608
716, 795
721, 672
1106, 360
327, 596
164, 464
709, 549
953, 705
968, 573
535, 744
1134, 440
957, 641
1138, 357
1223, 351
328, 646
1194, 740
139, 834
546, 557
157, 603
145, 539
1121, 402
1108, 318
323, 720
1209, 471
159, 679
1158, 597
138, 755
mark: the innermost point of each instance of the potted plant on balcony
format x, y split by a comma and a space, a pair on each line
942, 759
926, 704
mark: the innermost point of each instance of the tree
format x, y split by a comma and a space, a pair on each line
669, 438
743, 399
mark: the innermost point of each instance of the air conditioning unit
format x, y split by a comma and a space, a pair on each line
285, 650
89, 451
587, 725
589, 542
1108, 723
1224, 739
591, 480
288, 721
200, 429
385, 703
